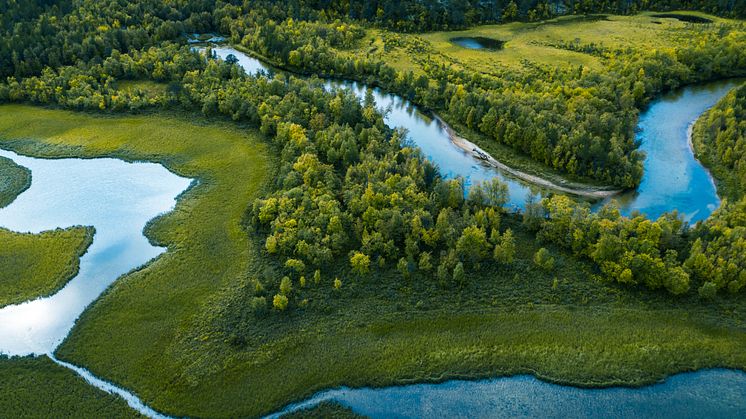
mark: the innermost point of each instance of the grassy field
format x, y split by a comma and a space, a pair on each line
14, 179
39, 388
36, 265
179, 333
543, 43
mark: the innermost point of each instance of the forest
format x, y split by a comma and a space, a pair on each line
348, 186
350, 207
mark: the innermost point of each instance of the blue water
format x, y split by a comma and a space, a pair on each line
716, 393
469, 43
674, 179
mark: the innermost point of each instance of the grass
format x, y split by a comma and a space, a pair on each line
14, 179
180, 335
39, 388
37, 265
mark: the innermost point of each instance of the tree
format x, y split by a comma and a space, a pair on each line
259, 306
360, 263
459, 276
280, 302
472, 246
337, 284
286, 286
505, 250
708, 290
543, 259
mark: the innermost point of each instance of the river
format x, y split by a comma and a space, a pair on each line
119, 198
673, 178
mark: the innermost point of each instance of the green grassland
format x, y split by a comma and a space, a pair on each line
37, 265
542, 43
39, 388
181, 335
14, 179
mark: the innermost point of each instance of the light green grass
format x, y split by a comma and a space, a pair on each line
14, 179
39, 388
37, 265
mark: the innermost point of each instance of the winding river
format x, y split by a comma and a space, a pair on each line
673, 178
119, 198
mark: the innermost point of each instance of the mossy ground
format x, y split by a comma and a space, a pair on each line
179, 333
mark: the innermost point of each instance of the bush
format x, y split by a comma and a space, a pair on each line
259, 306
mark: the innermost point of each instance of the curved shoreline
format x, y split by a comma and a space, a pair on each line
481, 155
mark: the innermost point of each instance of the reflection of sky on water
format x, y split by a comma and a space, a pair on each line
115, 197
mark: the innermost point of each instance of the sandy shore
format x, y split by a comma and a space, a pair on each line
481, 155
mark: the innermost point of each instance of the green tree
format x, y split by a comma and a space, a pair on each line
280, 302
360, 263
286, 286
505, 250
543, 259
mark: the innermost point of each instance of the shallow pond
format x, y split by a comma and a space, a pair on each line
115, 197
710, 393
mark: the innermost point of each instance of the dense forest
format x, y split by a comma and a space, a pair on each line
350, 188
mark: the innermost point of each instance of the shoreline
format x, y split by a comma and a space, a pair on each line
483, 156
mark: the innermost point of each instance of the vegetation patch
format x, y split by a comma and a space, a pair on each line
39, 388
14, 179
38, 265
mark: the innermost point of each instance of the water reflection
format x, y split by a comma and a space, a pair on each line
115, 197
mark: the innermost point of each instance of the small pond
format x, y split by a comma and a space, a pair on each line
478, 42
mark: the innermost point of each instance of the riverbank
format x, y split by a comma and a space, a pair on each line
711, 144
585, 191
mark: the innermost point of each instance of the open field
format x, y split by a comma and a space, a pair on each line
37, 265
180, 334
39, 388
